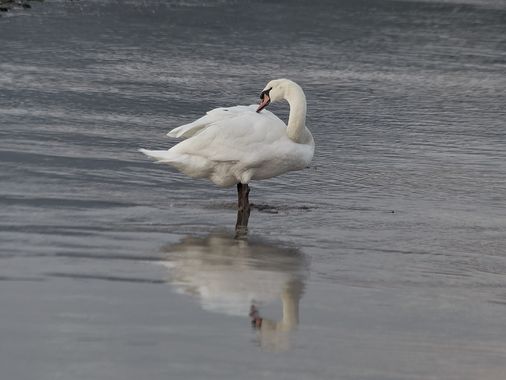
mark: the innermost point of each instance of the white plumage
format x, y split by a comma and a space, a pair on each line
238, 144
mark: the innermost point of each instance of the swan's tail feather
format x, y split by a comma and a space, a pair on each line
161, 156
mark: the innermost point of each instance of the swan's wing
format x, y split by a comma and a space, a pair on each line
243, 135
214, 116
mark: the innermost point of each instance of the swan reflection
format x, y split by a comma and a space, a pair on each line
238, 277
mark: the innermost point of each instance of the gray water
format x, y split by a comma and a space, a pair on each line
384, 260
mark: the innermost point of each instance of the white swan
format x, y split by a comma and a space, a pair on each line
238, 144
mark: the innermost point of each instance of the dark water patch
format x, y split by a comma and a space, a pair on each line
265, 208
79, 252
91, 229
108, 257
45, 160
55, 203
21, 279
96, 277
52, 229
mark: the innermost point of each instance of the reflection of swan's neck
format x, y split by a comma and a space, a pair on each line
275, 335
290, 311
290, 299
297, 120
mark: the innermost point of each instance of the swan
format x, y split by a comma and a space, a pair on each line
235, 145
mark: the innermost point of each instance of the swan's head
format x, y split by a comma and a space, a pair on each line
275, 90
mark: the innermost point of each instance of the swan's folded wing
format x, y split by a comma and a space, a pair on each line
243, 137
188, 130
214, 116
191, 129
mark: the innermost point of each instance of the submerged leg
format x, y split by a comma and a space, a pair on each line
243, 209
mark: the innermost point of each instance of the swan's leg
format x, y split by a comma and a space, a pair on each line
245, 194
256, 319
239, 196
243, 208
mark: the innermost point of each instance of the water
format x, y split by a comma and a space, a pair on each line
385, 260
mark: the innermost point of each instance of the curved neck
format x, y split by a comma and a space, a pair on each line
297, 119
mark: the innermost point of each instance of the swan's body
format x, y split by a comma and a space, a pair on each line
238, 144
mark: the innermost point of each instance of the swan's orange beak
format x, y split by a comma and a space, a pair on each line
264, 100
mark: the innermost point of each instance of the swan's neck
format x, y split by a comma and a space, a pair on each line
297, 120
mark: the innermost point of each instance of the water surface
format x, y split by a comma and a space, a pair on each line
384, 260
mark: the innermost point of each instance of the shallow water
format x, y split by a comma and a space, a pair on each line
385, 260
